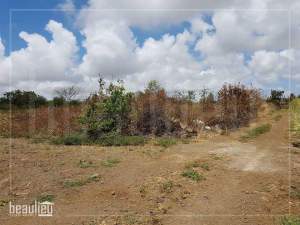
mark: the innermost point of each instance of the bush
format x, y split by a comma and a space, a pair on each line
58, 101
23, 99
45, 198
108, 111
151, 110
4, 103
110, 162
277, 98
238, 105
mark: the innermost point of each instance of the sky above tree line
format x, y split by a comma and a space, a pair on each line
185, 45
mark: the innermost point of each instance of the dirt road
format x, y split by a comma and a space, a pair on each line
243, 183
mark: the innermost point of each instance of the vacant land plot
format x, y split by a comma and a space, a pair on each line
217, 180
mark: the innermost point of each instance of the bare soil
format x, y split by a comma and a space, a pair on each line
245, 183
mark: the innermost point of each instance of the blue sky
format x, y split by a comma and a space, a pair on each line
34, 21
30, 21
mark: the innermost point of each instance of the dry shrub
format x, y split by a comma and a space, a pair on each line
151, 112
238, 105
187, 110
47, 121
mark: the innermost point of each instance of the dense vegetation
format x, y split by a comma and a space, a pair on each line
115, 116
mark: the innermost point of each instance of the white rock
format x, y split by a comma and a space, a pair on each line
207, 128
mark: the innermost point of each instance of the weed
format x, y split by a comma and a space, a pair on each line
85, 164
196, 164
73, 183
290, 220
79, 183
167, 186
205, 166
45, 198
192, 174
255, 132
3, 203
110, 162
166, 142
93, 178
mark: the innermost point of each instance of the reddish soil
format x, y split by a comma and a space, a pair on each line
246, 183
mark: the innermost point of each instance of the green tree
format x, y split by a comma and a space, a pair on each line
24, 99
108, 112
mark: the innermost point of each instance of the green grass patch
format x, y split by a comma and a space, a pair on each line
81, 182
45, 198
257, 131
73, 183
290, 220
192, 174
110, 162
118, 140
295, 116
165, 142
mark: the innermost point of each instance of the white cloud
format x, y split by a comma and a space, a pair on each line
204, 55
268, 67
41, 61
110, 49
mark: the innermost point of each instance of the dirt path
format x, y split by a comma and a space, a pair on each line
245, 183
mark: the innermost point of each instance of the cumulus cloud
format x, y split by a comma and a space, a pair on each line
269, 66
41, 61
110, 48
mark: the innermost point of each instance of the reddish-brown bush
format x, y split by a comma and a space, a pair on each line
151, 112
238, 105
47, 121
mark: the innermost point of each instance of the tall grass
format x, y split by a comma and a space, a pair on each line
295, 116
